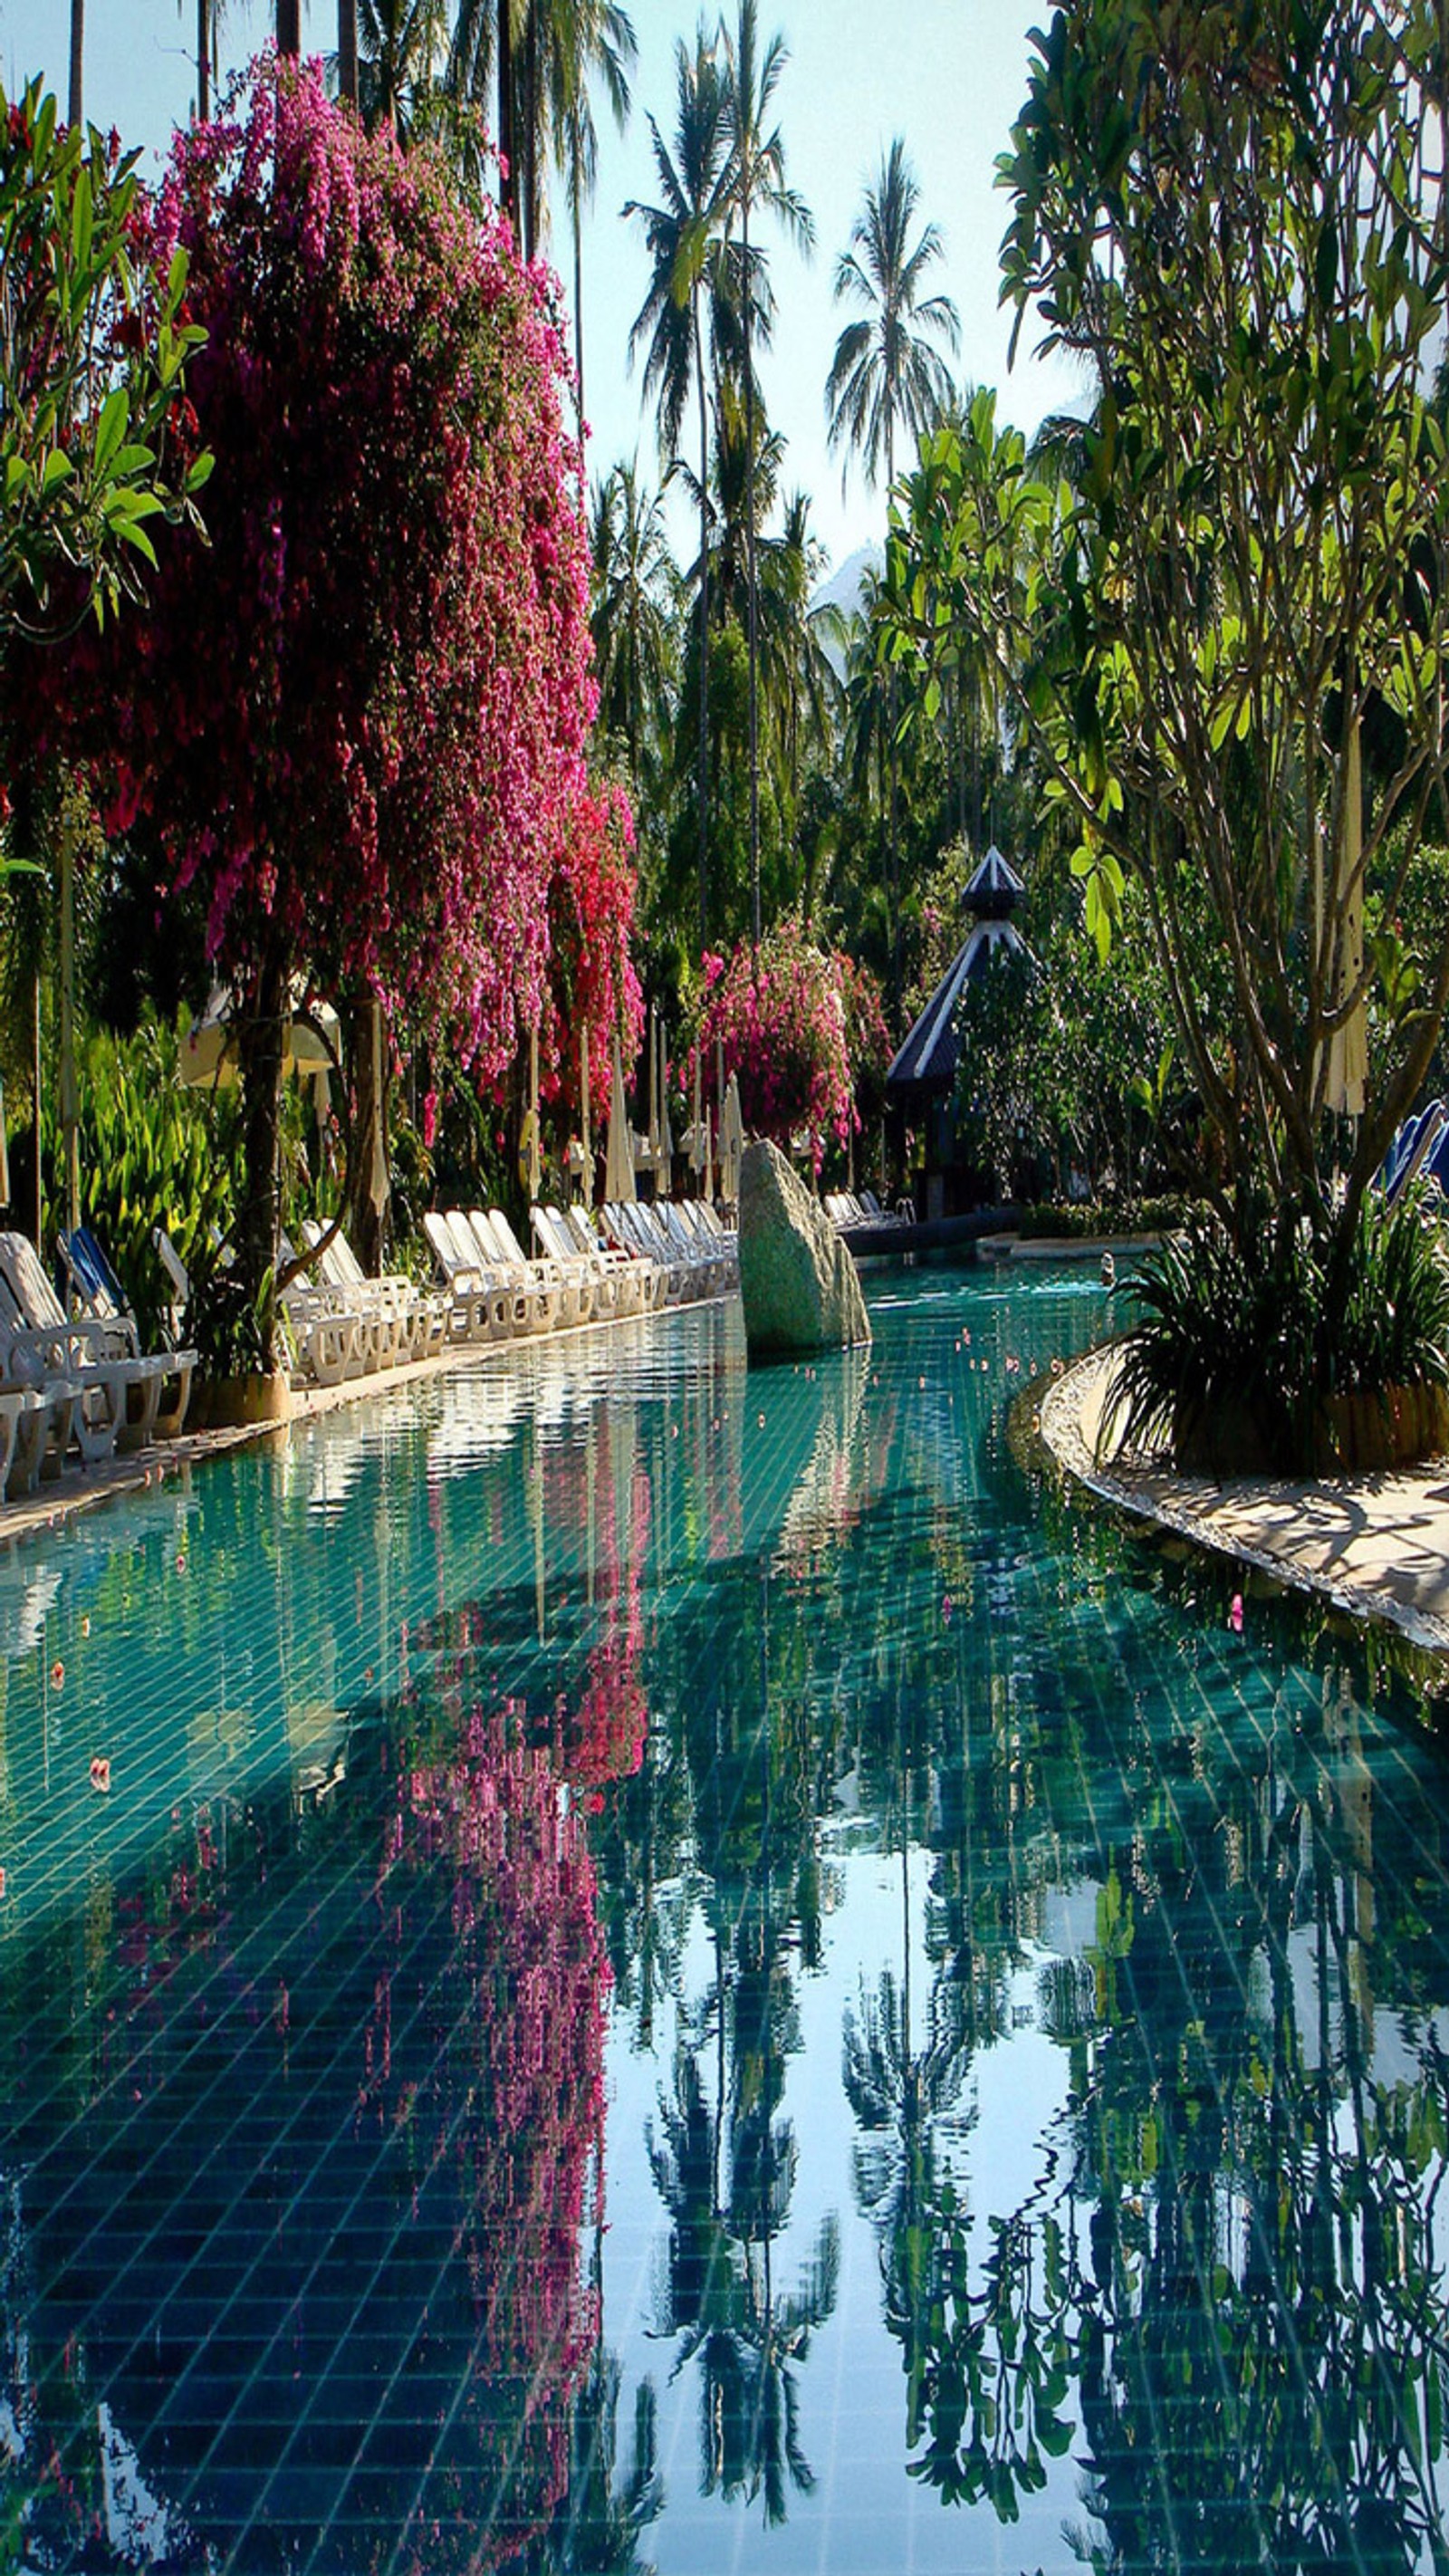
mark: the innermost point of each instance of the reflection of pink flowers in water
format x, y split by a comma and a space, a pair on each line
527, 1943
1235, 1614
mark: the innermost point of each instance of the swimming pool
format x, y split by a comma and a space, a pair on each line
617, 1963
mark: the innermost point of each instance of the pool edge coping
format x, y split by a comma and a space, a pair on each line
1181, 1506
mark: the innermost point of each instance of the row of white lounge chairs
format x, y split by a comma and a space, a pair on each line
490, 1290
849, 1208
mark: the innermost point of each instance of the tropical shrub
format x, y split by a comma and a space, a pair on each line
1245, 1335
152, 1153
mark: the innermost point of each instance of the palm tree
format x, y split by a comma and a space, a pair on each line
886, 369
207, 14
759, 180
585, 37
346, 51
289, 28
684, 234
635, 583
543, 55
482, 45
800, 681
401, 52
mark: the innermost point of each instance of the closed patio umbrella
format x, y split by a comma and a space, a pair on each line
377, 1176
664, 1157
531, 1160
731, 1142
619, 1166
1348, 1046
696, 1132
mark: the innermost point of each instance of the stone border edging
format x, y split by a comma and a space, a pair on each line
1389, 1532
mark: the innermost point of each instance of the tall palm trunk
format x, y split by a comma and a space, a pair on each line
703, 624
532, 157
576, 207
754, 618
289, 28
75, 107
579, 332
507, 154
893, 870
259, 1047
347, 50
203, 61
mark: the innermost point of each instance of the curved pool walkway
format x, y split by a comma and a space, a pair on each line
1377, 1546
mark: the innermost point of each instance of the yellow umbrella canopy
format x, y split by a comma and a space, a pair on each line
209, 1051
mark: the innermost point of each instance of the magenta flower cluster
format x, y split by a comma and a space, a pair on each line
794, 1020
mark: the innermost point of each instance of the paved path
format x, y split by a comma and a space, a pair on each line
1377, 1545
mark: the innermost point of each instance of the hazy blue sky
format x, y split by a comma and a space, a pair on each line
948, 75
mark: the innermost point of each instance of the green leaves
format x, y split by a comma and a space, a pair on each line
92, 362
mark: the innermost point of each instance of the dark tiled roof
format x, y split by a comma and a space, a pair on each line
929, 1053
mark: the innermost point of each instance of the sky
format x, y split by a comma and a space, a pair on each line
948, 76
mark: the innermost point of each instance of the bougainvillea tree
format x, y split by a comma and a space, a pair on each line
786, 1017
593, 988
357, 718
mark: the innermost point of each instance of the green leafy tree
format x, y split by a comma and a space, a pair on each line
635, 586
1228, 633
888, 373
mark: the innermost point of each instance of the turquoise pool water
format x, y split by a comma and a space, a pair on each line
617, 1964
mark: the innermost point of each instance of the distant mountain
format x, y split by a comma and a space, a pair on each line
844, 589
846, 583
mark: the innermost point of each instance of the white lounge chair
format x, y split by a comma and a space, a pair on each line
480, 1308
641, 1283
631, 1225
95, 1291
331, 1339
556, 1302
608, 1292
118, 1396
593, 1227
402, 1321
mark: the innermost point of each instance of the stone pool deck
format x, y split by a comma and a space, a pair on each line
1377, 1546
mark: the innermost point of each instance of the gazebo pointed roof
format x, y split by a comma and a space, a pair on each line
927, 1056
995, 890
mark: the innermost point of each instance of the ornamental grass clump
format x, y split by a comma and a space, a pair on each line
1289, 1345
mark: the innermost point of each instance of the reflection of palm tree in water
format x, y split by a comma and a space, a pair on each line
1232, 2259
900, 2096
726, 2176
598, 2526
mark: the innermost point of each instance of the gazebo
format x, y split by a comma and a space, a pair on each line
922, 1076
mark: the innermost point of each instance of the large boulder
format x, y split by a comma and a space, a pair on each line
798, 1281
